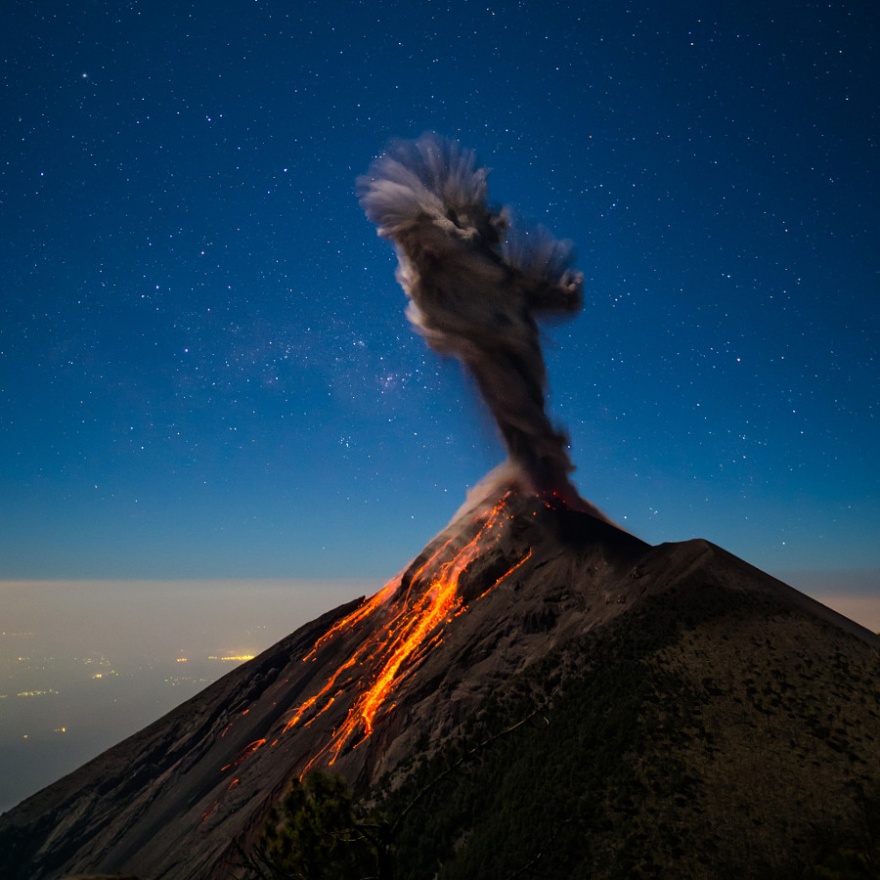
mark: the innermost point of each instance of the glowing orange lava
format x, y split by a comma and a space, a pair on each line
250, 747
402, 628
402, 635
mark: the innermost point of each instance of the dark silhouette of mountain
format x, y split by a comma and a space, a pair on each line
695, 713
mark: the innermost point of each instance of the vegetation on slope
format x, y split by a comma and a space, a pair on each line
707, 734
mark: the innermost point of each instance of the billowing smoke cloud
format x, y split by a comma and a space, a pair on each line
475, 289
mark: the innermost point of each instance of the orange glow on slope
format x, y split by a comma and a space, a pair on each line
401, 627
402, 635
250, 747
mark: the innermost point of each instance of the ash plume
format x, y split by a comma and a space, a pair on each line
476, 287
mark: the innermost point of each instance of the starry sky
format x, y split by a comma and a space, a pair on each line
205, 368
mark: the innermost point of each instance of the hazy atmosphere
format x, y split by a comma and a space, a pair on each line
215, 421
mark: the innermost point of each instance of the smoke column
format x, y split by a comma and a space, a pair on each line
475, 289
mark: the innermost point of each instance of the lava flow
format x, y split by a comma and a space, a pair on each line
405, 628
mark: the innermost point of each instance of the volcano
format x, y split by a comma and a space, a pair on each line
691, 705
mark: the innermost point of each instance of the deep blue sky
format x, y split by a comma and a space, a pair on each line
205, 369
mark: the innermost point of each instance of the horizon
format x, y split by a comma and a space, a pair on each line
105, 659
88, 663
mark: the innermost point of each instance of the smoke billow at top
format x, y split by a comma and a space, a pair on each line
476, 287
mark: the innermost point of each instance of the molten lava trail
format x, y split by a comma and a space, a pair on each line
403, 630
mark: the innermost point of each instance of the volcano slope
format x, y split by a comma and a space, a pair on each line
688, 716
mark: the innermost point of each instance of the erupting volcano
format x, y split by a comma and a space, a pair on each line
653, 662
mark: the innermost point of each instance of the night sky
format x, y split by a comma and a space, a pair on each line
205, 368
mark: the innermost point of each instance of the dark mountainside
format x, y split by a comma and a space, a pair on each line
689, 716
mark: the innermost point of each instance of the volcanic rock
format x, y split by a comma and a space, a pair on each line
783, 706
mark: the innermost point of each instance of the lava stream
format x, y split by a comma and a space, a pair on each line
393, 648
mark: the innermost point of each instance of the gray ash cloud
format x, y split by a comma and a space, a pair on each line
477, 285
